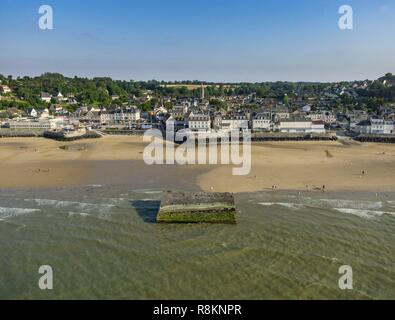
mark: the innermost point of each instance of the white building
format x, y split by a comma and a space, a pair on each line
262, 122
375, 126
326, 116
29, 124
281, 112
120, 116
318, 127
199, 122
294, 125
234, 122
389, 127
301, 126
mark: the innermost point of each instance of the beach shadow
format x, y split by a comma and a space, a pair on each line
147, 209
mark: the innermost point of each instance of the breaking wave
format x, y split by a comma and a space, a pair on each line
288, 205
147, 191
82, 214
367, 214
14, 212
78, 206
364, 209
354, 204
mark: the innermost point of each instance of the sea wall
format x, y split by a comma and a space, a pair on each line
263, 137
376, 138
255, 137
260, 137
10, 133
124, 132
59, 136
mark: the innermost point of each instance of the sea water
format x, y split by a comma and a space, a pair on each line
102, 242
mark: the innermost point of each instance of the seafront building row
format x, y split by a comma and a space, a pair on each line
202, 116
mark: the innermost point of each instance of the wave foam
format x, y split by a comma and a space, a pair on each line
82, 214
78, 206
288, 205
353, 204
367, 214
147, 191
14, 212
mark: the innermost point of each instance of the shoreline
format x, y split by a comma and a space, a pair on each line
346, 194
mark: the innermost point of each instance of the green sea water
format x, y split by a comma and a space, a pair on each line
102, 243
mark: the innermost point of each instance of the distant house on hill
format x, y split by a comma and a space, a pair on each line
59, 97
13, 112
70, 98
31, 112
5, 89
44, 114
57, 109
46, 97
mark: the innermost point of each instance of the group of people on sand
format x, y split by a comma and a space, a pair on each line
275, 187
323, 189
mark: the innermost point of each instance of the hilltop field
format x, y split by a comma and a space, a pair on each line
41, 163
195, 86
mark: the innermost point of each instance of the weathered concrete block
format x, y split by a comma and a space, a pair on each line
197, 207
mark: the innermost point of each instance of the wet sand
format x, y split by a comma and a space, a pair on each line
41, 163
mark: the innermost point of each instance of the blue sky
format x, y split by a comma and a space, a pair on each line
212, 40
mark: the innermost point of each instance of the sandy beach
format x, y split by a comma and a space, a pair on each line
41, 163
92, 205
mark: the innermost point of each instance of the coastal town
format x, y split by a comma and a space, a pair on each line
190, 153
290, 113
